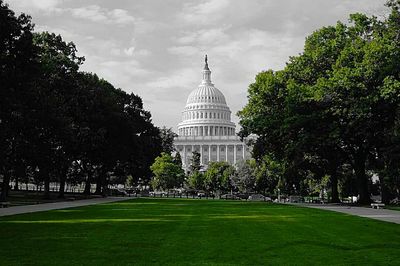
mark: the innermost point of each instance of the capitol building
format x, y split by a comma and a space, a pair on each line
207, 128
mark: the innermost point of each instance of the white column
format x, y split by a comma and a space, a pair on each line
201, 154
234, 154
217, 153
243, 147
209, 153
226, 153
184, 155
208, 130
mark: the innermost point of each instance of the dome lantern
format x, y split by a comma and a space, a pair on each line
206, 73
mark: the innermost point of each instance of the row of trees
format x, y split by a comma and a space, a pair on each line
246, 177
168, 174
333, 111
61, 124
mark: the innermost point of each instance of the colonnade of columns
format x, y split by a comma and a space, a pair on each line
206, 131
186, 152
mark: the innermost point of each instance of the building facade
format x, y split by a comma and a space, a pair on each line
207, 128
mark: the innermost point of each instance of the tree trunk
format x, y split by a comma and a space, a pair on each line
46, 178
86, 191
98, 185
62, 187
334, 184
361, 177
20, 172
5, 187
384, 191
16, 185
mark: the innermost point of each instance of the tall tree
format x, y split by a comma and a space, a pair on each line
195, 162
167, 174
17, 70
219, 177
167, 139
245, 178
330, 102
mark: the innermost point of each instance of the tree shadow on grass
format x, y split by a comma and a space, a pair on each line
333, 246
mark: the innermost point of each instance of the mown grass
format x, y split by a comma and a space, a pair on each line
196, 232
391, 207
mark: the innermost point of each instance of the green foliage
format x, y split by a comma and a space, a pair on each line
196, 181
219, 176
245, 176
62, 124
167, 174
178, 159
130, 181
269, 176
195, 162
167, 139
336, 103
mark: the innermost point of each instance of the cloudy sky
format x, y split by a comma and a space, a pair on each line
155, 48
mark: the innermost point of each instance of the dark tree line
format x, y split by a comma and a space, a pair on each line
334, 109
60, 124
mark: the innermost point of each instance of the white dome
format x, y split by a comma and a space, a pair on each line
206, 112
206, 94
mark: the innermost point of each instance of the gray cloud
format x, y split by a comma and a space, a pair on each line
156, 48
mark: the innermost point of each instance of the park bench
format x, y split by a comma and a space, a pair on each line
377, 205
4, 204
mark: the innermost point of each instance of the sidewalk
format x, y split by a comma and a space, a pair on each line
57, 205
377, 214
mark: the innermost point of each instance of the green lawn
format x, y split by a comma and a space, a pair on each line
196, 232
395, 208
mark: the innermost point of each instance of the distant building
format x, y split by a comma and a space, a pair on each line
207, 128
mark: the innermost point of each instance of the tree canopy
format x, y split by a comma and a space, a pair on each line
167, 173
335, 104
58, 123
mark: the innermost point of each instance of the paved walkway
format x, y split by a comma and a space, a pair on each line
377, 214
57, 205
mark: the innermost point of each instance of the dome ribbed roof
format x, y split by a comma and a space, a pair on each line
206, 94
